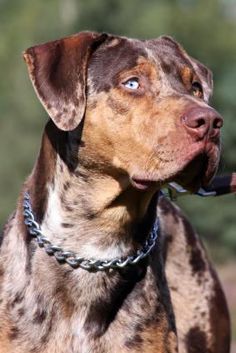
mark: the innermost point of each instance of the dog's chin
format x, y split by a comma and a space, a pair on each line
197, 173
192, 172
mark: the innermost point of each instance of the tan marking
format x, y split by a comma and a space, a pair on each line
187, 76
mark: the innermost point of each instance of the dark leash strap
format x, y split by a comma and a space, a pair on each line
220, 185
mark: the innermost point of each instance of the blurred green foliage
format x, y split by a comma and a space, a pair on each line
207, 29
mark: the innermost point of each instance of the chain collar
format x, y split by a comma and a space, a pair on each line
75, 260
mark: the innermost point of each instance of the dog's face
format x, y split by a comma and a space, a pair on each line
145, 106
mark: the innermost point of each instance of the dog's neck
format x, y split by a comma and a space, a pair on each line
86, 305
95, 214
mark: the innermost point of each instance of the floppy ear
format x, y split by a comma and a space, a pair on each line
58, 72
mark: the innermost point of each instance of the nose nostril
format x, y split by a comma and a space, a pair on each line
217, 123
195, 122
200, 122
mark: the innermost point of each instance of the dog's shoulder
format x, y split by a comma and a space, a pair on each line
196, 292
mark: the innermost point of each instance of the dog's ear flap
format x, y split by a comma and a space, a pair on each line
58, 71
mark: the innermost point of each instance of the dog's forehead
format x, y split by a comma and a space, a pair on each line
166, 50
120, 53
114, 56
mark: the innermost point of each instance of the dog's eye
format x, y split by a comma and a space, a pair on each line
132, 83
197, 89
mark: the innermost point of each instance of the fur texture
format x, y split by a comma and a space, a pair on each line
105, 153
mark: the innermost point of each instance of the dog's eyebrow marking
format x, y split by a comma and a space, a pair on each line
186, 74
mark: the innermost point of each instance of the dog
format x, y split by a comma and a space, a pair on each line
95, 259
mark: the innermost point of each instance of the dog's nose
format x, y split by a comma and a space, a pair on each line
201, 121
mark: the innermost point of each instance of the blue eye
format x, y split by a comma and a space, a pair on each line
132, 83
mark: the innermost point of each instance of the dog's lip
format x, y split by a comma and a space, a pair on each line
198, 170
200, 157
191, 177
142, 183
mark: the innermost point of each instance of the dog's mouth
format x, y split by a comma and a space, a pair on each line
143, 184
194, 172
199, 170
191, 177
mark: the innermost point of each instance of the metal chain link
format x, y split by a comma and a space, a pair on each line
72, 258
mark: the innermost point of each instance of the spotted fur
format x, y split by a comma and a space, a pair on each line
101, 143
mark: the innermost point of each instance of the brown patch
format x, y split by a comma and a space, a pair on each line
19, 297
67, 225
196, 341
68, 208
21, 312
166, 67
104, 310
219, 318
135, 342
1, 271
168, 239
67, 185
63, 297
31, 251
196, 260
168, 209
39, 316
14, 333
118, 107
61, 166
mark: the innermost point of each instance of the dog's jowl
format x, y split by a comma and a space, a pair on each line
94, 259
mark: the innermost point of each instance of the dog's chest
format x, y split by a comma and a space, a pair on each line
128, 319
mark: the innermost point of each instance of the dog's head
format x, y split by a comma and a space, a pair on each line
144, 104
